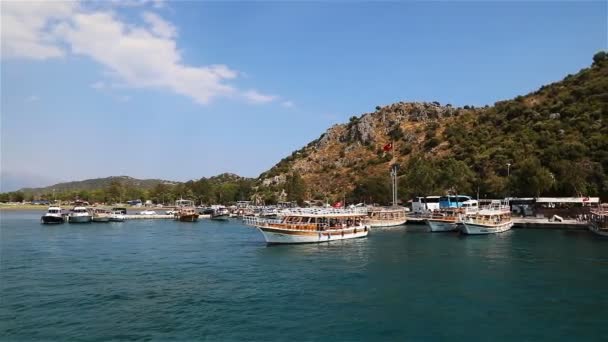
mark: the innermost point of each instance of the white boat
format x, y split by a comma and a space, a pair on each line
53, 215
100, 215
147, 212
311, 226
117, 216
496, 218
448, 219
444, 220
220, 214
598, 222
80, 215
386, 217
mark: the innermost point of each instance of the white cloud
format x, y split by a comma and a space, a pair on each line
254, 96
141, 56
287, 104
24, 28
159, 26
32, 98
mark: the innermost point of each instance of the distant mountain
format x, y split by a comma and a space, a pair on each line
553, 141
98, 183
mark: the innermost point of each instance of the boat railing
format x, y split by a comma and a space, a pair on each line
324, 211
275, 223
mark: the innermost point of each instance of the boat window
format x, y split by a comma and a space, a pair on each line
432, 200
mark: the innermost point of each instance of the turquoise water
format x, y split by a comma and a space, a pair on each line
160, 280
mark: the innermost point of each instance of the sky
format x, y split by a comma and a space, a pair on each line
190, 89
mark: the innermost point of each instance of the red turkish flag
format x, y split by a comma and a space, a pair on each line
337, 205
388, 147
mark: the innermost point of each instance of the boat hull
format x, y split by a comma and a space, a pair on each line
595, 229
442, 226
386, 223
220, 217
52, 219
281, 236
79, 219
481, 229
188, 218
101, 219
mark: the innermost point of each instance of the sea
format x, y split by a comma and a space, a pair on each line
163, 280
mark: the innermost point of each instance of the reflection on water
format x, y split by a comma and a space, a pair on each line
147, 279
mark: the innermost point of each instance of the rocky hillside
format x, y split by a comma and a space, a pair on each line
552, 141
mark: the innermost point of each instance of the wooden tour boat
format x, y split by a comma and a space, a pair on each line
312, 226
598, 222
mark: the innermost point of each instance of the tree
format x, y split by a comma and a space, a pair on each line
600, 57
420, 178
115, 191
530, 178
455, 175
295, 188
372, 190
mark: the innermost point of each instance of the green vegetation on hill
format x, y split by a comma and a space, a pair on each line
224, 188
553, 141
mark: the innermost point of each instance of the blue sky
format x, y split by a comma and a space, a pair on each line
182, 90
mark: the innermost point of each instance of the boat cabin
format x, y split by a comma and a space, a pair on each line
320, 222
184, 203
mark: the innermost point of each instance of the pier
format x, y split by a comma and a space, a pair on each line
544, 223
155, 217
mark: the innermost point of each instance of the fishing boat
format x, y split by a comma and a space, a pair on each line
53, 215
386, 217
496, 218
117, 216
79, 215
220, 214
311, 226
598, 222
100, 215
186, 214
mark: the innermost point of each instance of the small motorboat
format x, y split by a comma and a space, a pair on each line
117, 216
220, 214
53, 215
80, 215
101, 215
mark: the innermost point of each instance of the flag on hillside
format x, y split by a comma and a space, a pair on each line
388, 147
586, 199
337, 205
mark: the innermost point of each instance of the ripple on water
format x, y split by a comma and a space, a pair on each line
163, 280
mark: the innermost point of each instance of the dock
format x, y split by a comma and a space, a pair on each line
155, 217
544, 223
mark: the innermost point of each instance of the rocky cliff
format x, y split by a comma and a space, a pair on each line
548, 133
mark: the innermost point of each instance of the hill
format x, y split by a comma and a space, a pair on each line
553, 141
98, 183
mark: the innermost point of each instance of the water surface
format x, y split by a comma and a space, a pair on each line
160, 279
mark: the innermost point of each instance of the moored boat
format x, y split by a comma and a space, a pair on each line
598, 222
311, 226
53, 215
452, 210
386, 217
117, 216
186, 215
79, 215
444, 220
494, 219
100, 215
185, 211
220, 214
